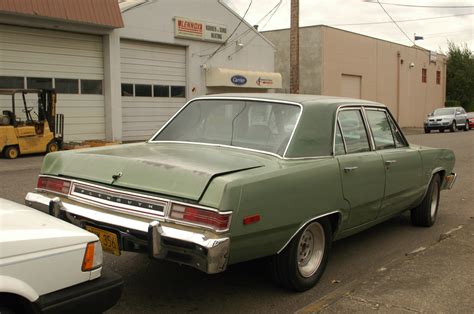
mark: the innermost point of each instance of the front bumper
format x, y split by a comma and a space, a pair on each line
193, 248
95, 296
449, 180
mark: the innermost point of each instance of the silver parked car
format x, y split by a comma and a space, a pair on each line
441, 119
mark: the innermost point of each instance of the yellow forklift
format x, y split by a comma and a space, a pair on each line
26, 135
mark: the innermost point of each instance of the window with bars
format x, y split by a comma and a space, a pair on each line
423, 75
438, 77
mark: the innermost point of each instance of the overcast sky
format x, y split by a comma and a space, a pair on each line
436, 32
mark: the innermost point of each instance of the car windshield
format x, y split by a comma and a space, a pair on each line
256, 125
443, 111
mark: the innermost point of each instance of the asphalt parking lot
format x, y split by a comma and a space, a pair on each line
155, 286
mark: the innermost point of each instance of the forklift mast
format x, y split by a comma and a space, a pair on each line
47, 107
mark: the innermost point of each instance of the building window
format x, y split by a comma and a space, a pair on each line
12, 82
91, 87
142, 90
66, 86
161, 91
39, 82
127, 90
438, 77
178, 91
423, 75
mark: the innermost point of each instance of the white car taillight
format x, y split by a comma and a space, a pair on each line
208, 218
54, 185
92, 256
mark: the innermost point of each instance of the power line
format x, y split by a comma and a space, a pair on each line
403, 21
233, 32
274, 9
229, 44
394, 22
424, 6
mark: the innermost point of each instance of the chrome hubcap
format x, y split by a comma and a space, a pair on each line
434, 200
310, 249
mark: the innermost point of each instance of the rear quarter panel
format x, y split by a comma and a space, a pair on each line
285, 199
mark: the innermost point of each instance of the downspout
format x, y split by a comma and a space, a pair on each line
398, 87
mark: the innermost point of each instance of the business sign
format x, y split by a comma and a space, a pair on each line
262, 81
238, 80
433, 56
199, 30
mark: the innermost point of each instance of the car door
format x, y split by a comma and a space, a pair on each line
361, 169
402, 164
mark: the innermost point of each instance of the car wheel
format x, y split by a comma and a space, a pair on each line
427, 130
466, 126
52, 146
453, 127
425, 214
441, 130
11, 152
301, 264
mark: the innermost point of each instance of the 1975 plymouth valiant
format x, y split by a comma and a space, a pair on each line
237, 177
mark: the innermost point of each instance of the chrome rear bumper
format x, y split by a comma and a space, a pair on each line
191, 248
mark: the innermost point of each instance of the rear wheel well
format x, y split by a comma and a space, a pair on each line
442, 174
15, 303
334, 219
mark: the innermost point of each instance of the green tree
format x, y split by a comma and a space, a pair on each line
460, 75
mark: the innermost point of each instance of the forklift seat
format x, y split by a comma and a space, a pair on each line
7, 117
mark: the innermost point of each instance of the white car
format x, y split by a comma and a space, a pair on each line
50, 266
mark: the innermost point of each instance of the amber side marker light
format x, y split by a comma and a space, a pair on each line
92, 256
251, 219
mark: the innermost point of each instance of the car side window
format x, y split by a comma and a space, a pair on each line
353, 131
381, 130
339, 148
397, 134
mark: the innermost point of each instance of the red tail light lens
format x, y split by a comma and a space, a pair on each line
54, 185
219, 222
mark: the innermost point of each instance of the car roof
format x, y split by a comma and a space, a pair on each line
305, 100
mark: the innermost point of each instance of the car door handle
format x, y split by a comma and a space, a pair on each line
349, 169
389, 162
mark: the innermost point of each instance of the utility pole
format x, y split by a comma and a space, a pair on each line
295, 48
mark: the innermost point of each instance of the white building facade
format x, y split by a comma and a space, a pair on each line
124, 83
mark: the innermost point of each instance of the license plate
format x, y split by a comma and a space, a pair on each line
109, 240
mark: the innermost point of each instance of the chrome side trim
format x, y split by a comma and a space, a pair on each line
234, 98
307, 222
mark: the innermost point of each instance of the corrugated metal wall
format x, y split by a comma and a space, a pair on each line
29, 53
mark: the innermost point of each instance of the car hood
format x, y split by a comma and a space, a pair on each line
180, 170
25, 230
441, 117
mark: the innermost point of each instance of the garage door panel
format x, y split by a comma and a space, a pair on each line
51, 50
30, 52
153, 70
13, 56
154, 78
156, 63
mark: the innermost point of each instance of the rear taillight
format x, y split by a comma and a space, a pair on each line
54, 185
208, 218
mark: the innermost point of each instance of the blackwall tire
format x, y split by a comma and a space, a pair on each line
453, 127
11, 152
52, 147
301, 264
466, 126
425, 214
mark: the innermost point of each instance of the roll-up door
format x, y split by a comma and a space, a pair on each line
70, 62
153, 86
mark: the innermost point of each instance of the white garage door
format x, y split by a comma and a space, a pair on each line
153, 86
351, 86
70, 62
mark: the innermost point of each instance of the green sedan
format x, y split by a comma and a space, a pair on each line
235, 177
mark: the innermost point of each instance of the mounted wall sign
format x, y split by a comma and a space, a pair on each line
238, 80
199, 30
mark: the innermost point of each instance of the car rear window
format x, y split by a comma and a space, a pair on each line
264, 126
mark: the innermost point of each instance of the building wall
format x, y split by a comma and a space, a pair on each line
154, 22
310, 60
385, 78
329, 56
